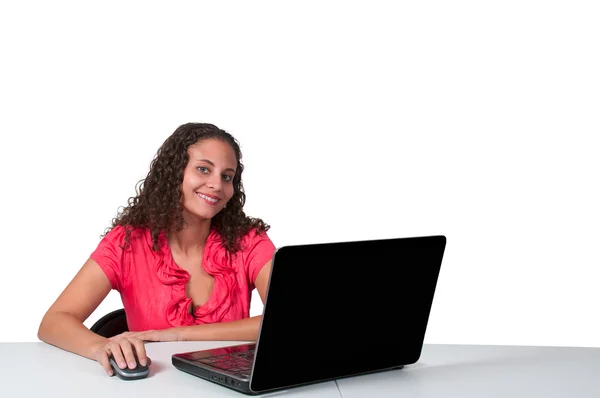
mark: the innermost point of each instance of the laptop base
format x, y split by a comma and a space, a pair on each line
214, 377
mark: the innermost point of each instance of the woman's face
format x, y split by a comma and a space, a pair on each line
208, 178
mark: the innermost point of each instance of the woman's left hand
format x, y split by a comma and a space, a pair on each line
172, 334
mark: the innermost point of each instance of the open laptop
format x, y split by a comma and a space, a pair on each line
333, 310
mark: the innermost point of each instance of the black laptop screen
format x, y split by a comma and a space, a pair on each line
340, 309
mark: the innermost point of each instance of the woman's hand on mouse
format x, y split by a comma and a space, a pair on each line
123, 348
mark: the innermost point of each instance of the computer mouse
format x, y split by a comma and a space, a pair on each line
129, 374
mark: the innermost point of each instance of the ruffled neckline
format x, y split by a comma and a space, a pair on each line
216, 262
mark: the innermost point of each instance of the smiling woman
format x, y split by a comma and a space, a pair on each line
183, 255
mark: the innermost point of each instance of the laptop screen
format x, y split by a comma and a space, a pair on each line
341, 309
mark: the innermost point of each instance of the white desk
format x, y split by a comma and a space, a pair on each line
40, 370
486, 372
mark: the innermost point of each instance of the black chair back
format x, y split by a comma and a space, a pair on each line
111, 324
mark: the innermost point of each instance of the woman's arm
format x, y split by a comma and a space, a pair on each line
243, 329
62, 325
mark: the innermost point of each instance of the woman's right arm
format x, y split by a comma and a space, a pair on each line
62, 325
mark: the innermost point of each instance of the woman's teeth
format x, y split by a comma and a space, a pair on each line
208, 198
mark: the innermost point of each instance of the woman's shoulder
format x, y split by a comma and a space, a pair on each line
255, 233
248, 238
122, 234
253, 236
257, 245
257, 249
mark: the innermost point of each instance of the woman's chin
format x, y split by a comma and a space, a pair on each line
201, 214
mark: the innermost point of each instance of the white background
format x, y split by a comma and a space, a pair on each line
357, 120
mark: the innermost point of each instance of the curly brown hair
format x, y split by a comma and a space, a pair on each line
158, 203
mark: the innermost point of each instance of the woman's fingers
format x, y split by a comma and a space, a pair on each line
103, 360
117, 353
124, 350
140, 351
127, 350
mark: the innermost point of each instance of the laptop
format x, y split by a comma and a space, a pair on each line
333, 310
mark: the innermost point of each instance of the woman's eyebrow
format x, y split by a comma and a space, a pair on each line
212, 164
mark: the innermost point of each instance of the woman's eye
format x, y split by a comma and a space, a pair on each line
202, 169
227, 177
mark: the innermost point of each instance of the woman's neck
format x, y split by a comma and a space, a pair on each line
192, 238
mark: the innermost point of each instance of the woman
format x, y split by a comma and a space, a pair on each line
183, 256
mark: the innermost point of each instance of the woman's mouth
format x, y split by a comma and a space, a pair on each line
208, 199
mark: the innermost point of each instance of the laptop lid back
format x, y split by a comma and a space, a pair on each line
340, 309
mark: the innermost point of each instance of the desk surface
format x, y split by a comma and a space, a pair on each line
486, 371
38, 369
41, 370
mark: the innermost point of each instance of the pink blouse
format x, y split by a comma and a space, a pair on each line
152, 285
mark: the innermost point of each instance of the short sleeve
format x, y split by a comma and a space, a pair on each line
109, 256
258, 250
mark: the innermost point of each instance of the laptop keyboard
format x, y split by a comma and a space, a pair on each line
237, 364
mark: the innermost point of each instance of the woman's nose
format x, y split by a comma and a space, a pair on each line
215, 183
